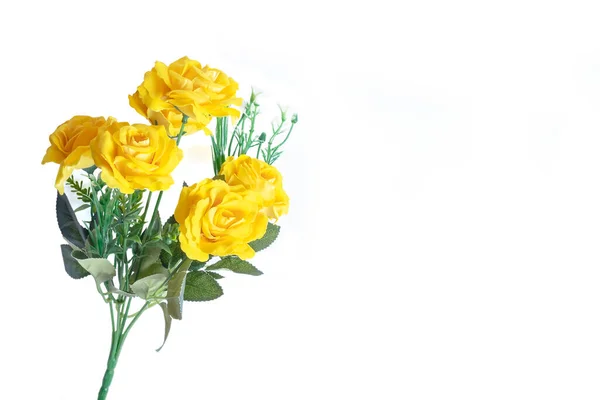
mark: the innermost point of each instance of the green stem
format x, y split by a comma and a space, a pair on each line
184, 120
133, 321
147, 206
233, 133
110, 367
258, 151
286, 138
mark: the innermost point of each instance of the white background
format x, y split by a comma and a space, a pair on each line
443, 236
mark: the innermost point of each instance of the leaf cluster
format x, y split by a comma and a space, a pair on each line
147, 257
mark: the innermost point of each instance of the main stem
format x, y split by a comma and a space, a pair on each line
116, 345
113, 357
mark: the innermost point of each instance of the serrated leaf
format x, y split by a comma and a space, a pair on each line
72, 266
147, 286
268, 238
168, 320
100, 268
236, 265
196, 265
79, 255
215, 275
200, 286
175, 290
70, 228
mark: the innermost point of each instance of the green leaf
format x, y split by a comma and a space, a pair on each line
168, 320
82, 207
236, 265
135, 239
147, 286
152, 269
215, 275
154, 228
196, 265
200, 286
175, 290
110, 286
145, 261
170, 221
159, 244
72, 267
101, 269
70, 228
268, 238
90, 170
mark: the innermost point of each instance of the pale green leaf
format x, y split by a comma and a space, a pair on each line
175, 290
100, 268
168, 320
153, 269
110, 286
147, 287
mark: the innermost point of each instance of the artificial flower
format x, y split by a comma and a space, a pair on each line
185, 86
136, 157
215, 220
70, 146
247, 173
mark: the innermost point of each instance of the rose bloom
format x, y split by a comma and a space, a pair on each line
136, 157
199, 92
215, 220
248, 173
70, 146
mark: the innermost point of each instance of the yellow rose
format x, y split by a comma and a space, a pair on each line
70, 146
215, 220
247, 173
136, 157
199, 92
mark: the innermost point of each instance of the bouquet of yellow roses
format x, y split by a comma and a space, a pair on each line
219, 222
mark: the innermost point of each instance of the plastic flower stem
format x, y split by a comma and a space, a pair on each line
286, 138
160, 194
110, 367
234, 132
133, 321
147, 205
249, 140
258, 151
112, 313
118, 339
